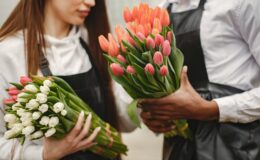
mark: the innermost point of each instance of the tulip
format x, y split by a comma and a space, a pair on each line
13, 92
113, 49
48, 83
169, 36
9, 101
150, 43
103, 42
127, 15
140, 36
44, 121
54, 121
130, 70
166, 48
119, 33
25, 80
149, 68
58, 107
164, 18
158, 40
164, 70
122, 47
157, 24
64, 112
158, 58
31, 88
14, 97
28, 130
130, 40
43, 108
116, 69
10, 118
121, 58
50, 132
140, 28
135, 13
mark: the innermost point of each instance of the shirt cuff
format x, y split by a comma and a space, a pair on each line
228, 112
34, 152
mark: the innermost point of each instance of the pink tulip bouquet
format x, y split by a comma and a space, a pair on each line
48, 106
144, 59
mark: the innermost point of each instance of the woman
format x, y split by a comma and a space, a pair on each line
219, 93
44, 37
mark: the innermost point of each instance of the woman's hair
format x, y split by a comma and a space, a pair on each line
28, 17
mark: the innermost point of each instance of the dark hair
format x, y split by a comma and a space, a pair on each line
29, 15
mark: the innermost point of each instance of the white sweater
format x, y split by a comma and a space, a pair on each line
66, 57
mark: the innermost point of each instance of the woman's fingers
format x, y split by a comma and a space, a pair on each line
88, 141
78, 127
85, 129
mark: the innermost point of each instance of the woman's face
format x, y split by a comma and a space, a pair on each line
71, 11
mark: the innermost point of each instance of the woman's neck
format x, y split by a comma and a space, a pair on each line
54, 26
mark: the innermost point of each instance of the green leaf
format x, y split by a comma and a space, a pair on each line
177, 62
132, 113
146, 56
135, 59
17, 85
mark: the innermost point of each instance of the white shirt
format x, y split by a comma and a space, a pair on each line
66, 57
230, 38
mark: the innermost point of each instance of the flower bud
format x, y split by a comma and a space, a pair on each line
44, 120
31, 88
54, 121
158, 40
103, 42
47, 83
13, 92
127, 15
25, 80
9, 101
43, 108
36, 115
18, 127
58, 107
45, 89
10, 118
166, 51
16, 106
64, 112
130, 70
20, 112
36, 135
121, 59
28, 130
169, 36
140, 36
158, 58
50, 132
9, 134
32, 104
41, 98
149, 68
150, 43
116, 69
164, 70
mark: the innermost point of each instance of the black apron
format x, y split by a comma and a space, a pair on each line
88, 88
211, 140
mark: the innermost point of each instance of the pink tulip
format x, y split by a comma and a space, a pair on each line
150, 43
164, 70
169, 36
103, 42
149, 68
14, 97
127, 15
24, 80
116, 69
166, 50
130, 70
113, 49
13, 92
158, 40
158, 58
140, 36
9, 101
121, 59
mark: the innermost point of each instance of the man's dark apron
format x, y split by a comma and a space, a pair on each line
211, 140
88, 88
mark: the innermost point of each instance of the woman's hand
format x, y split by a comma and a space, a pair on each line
74, 141
185, 103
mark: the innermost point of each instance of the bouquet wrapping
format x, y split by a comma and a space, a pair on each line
48, 106
145, 59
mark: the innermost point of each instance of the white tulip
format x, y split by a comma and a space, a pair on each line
21, 100
16, 106
28, 130
11, 118
50, 132
23, 95
18, 127
54, 121
41, 98
58, 107
32, 104
64, 112
9, 134
36, 115
45, 89
27, 123
44, 120
43, 108
47, 83
36, 135
31, 88
20, 112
